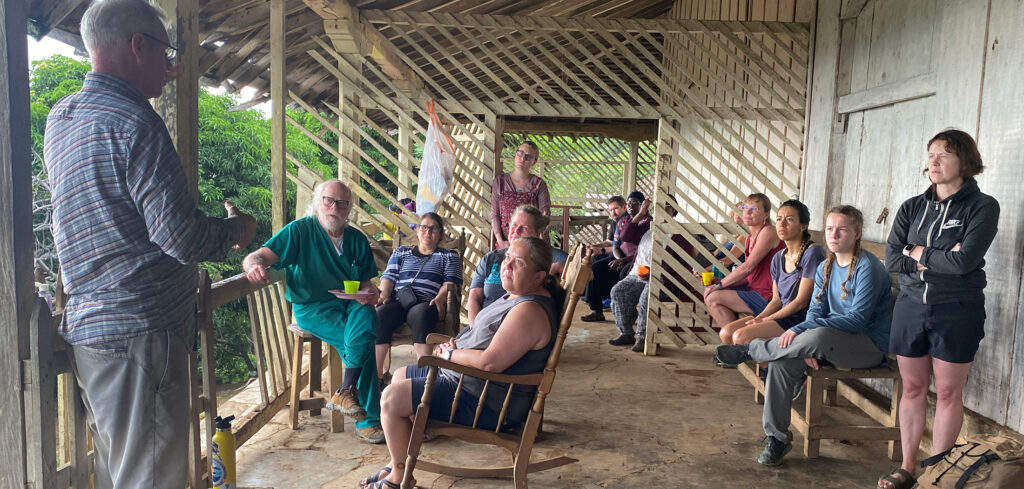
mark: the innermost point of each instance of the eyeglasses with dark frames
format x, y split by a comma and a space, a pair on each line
525, 156
170, 52
330, 202
430, 228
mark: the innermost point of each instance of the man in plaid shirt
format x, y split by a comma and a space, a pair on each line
129, 236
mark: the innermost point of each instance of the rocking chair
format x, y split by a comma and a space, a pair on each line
575, 277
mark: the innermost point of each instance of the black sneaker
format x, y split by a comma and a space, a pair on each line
732, 355
773, 452
593, 317
621, 340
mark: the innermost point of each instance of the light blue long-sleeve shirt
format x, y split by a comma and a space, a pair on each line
867, 307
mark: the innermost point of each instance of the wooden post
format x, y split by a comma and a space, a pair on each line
496, 124
629, 175
278, 103
15, 238
405, 142
179, 104
348, 102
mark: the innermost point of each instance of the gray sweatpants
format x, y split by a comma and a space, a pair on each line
136, 394
787, 367
629, 304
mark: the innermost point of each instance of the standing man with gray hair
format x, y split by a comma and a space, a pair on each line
129, 236
318, 253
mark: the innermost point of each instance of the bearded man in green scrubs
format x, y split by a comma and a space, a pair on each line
318, 253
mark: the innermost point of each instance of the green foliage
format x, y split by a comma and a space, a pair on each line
234, 162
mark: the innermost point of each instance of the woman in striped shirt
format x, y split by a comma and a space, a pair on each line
426, 270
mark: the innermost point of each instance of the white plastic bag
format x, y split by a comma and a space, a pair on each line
437, 166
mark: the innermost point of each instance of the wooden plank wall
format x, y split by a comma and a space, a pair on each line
15, 241
902, 71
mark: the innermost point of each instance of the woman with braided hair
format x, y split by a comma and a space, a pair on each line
792, 272
847, 325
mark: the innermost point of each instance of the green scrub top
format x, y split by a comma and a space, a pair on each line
312, 264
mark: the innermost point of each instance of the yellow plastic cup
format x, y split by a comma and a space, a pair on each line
351, 286
706, 278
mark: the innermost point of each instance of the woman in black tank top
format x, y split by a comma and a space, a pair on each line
513, 334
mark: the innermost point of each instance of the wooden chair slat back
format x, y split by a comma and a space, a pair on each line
577, 275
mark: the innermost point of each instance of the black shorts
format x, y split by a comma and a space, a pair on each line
790, 321
950, 332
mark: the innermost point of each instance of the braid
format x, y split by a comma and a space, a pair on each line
849, 273
828, 273
806, 243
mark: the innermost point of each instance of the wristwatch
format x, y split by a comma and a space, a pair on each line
907, 249
448, 354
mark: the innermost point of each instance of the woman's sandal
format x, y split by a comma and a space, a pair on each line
907, 482
378, 475
384, 484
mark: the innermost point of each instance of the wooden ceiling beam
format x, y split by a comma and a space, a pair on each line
626, 131
52, 17
350, 35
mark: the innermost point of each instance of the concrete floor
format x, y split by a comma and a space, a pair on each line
672, 421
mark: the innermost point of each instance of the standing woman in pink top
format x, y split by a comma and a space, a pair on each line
748, 288
517, 187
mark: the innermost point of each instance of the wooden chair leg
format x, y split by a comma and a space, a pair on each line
419, 426
335, 373
296, 387
812, 413
831, 392
895, 447
315, 369
758, 397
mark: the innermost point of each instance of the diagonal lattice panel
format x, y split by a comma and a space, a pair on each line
729, 97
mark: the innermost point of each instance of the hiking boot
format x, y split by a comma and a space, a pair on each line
732, 355
593, 317
346, 401
371, 434
621, 340
639, 345
773, 452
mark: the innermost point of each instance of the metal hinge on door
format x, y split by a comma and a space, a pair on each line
26, 374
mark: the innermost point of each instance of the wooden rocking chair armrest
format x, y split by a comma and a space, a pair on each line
524, 379
437, 338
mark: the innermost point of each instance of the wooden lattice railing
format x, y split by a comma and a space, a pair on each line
59, 443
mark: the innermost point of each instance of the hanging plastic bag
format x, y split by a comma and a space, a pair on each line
437, 166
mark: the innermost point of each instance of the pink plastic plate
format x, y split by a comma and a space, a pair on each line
342, 295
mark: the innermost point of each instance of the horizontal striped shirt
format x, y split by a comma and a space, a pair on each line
443, 265
127, 232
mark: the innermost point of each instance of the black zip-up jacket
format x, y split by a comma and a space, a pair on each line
968, 217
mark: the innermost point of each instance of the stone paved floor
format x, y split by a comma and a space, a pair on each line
668, 421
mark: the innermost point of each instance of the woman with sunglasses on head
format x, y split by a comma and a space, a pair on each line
748, 288
792, 273
515, 188
414, 289
937, 246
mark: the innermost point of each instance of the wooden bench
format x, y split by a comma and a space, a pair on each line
827, 384
824, 388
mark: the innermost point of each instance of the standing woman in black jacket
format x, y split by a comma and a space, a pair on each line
937, 246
